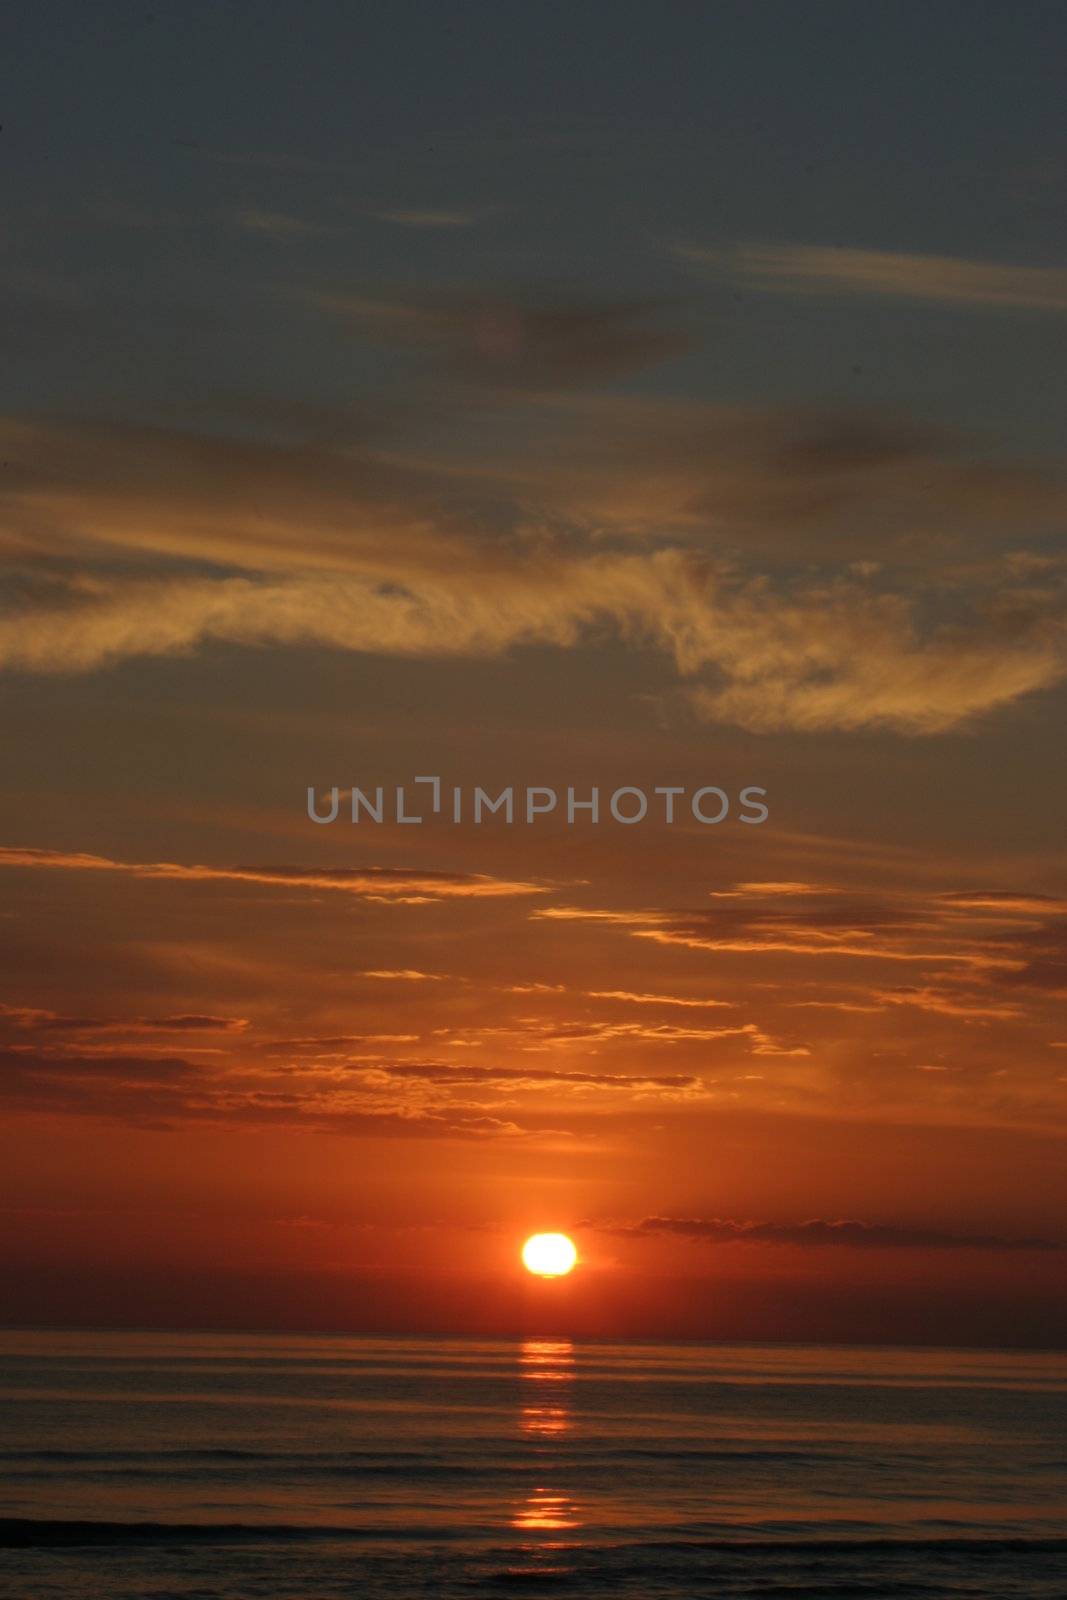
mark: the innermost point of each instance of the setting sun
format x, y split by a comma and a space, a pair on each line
549, 1255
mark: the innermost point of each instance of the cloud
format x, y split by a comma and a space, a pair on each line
450, 1074
837, 1005
1004, 904
942, 1003
540, 1035
392, 883
740, 481
849, 1234
760, 933
1041, 957
862, 664
653, 999
885, 274
332, 1043
192, 1022
864, 488
901, 926
568, 1033
102, 490
33, 1020
365, 1102
351, 550
530, 342
822, 657
97, 1084
762, 891
872, 991
274, 224
404, 974
429, 218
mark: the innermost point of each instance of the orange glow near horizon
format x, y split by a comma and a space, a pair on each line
549, 1255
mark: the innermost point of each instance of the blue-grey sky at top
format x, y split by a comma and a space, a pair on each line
180, 179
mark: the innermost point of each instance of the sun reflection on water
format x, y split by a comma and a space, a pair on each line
545, 1422
546, 1371
546, 1361
546, 1511
544, 1366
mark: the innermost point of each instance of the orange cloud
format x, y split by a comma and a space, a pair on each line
652, 999
384, 883
355, 551
813, 920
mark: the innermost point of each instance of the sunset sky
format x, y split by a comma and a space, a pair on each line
605, 395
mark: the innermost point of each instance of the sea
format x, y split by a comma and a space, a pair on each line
241, 1467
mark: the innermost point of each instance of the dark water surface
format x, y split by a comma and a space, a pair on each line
226, 1467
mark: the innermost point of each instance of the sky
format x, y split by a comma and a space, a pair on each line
535, 398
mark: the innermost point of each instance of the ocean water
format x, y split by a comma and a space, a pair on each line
183, 1467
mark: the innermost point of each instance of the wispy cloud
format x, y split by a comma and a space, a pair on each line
403, 975
529, 342
428, 217
34, 1020
452, 1074
376, 883
947, 1004
929, 930
770, 889
274, 224
166, 1092
819, 657
271, 545
887, 274
525, 343
653, 999
847, 1233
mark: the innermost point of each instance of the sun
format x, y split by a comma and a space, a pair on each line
549, 1255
